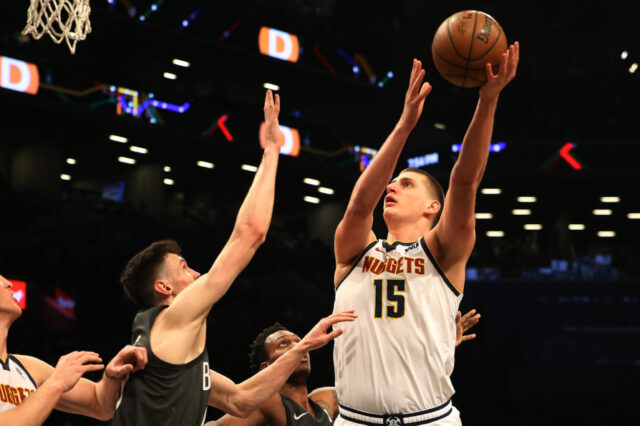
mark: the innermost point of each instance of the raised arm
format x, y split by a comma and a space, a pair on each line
455, 232
242, 399
354, 231
194, 303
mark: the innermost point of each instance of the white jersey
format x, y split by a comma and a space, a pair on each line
397, 356
15, 383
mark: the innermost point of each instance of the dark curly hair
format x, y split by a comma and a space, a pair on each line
258, 353
139, 275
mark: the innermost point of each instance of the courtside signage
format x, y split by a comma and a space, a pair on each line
19, 75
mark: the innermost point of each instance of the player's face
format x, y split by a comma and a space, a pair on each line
8, 305
407, 197
281, 342
179, 274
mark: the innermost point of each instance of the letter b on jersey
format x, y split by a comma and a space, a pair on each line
206, 378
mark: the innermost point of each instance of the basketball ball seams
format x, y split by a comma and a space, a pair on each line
473, 32
451, 39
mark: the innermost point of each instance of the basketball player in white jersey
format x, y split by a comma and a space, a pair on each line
31, 388
392, 365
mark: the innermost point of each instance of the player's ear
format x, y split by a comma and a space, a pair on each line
432, 207
162, 288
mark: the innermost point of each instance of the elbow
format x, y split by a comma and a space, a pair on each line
252, 233
240, 410
105, 415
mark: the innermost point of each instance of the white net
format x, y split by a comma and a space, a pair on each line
62, 19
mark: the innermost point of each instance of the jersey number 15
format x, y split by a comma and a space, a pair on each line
394, 297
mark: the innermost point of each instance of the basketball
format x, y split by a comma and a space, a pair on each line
464, 43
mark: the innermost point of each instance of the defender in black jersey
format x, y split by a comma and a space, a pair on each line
30, 388
177, 384
293, 405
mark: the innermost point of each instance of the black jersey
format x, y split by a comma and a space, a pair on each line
298, 416
163, 394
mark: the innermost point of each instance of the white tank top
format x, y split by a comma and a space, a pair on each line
15, 383
397, 356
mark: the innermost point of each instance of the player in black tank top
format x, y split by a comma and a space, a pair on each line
163, 393
293, 405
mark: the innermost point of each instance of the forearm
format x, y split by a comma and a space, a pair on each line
257, 390
376, 177
106, 396
474, 154
256, 210
35, 409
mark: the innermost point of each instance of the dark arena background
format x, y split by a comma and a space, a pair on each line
151, 131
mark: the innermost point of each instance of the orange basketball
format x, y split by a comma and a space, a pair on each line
463, 45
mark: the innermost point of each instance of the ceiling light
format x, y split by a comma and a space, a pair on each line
491, 191
495, 234
576, 226
181, 63
138, 149
271, 86
521, 212
205, 164
610, 199
117, 138
440, 126
606, 234
65, 177
527, 199
633, 215
312, 200
71, 161
484, 215
633, 67
532, 226
249, 168
325, 190
624, 55
167, 169
602, 212
126, 160
169, 76
168, 181
310, 181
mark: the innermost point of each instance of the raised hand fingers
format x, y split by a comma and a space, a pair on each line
468, 337
277, 103
468, 314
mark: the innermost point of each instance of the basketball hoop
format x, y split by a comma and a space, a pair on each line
62, 19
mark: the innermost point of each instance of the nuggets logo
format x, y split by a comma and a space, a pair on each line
278, 44
410, 265
12, 395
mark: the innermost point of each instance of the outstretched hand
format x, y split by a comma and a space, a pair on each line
506, 72
129, 360
71, 367
318, 336
416, 94
463, 324
273, 135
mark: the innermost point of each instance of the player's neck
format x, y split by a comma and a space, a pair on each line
297, 392
405, 233
4, 332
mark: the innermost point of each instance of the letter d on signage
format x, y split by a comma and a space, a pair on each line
278, 44
19, 75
